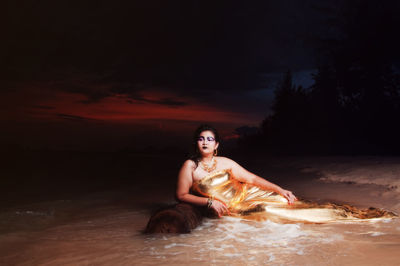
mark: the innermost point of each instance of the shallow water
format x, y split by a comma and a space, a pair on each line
238, 242
106, 229
109, 234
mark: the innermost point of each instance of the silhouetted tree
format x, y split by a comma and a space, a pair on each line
354, 104
286, 129
362, 67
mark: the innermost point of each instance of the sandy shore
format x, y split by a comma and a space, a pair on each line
105, 227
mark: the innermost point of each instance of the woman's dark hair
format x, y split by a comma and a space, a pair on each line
196, 156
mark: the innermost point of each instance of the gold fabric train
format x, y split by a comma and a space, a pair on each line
251, 202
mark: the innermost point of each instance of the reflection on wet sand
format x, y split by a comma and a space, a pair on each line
105, 228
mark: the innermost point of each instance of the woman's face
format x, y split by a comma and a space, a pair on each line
206, 143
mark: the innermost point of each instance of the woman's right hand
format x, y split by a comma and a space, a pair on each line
288, 195
220, 207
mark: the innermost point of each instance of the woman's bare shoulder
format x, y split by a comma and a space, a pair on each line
189, 164
227, 161
224, 158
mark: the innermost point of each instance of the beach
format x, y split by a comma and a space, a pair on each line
94, 209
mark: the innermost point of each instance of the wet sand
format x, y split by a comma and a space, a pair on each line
104, 227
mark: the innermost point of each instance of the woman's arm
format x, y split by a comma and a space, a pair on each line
243, 175
184, 184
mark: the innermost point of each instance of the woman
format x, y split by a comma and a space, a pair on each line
223, 185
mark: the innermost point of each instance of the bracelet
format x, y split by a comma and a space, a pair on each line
209, 202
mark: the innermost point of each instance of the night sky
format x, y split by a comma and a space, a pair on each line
108, 75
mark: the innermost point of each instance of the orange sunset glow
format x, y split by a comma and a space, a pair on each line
45, 116
121, 108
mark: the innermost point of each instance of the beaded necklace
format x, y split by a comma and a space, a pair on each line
209, 168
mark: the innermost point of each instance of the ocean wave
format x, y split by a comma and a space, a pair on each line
366, 170
240, 240
373, 175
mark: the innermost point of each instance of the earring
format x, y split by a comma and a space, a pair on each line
215, 152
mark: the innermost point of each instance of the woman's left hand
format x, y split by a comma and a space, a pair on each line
288, 195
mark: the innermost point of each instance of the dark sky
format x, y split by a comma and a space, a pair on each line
111, 74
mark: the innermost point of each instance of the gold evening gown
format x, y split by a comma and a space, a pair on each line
251, 202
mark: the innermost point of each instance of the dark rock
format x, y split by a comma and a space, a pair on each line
177, 218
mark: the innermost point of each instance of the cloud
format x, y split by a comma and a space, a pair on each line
45, 107
176, 46
74, 117
163, 101
96, 89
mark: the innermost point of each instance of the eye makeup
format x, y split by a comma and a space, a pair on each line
201, 138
